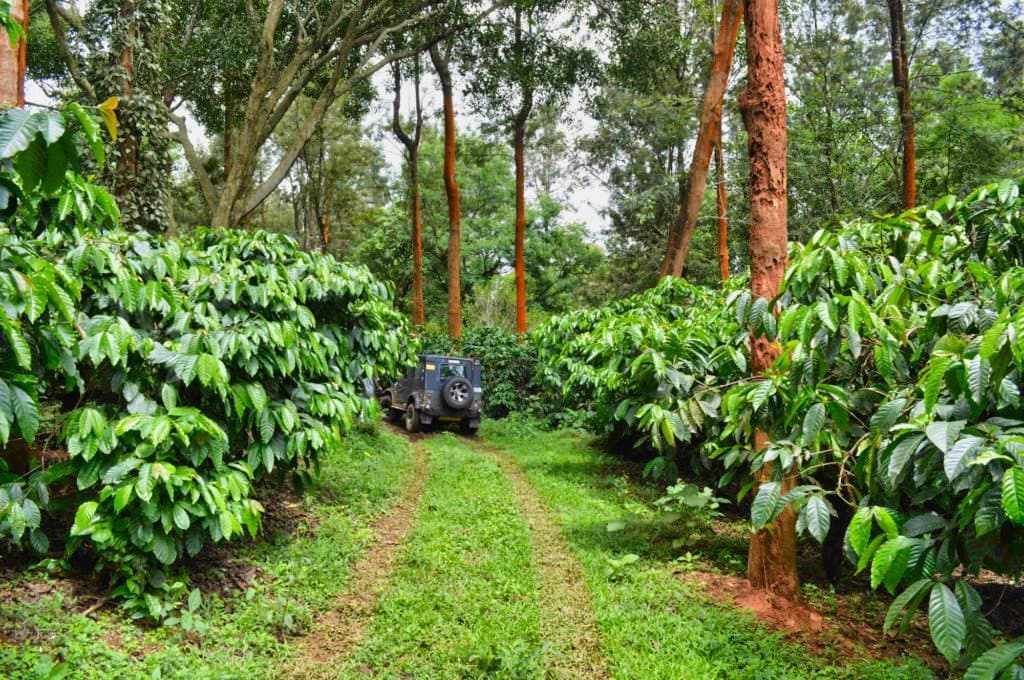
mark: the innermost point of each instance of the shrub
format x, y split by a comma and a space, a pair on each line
201, 364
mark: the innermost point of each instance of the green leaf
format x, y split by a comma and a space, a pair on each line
84, 516
1013, 494
163, 548
816, 517
181, 517
885, 417
765, 505
814, 419
145, 483
16, 132
859, 531
934, 379
26, 411
195, 598
992, 663
953, 458
890, 561
944, 433
946, 621
903, 600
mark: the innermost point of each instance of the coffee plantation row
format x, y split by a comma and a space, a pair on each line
184, 369
896, 400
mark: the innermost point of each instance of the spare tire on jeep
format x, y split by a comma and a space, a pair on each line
457, 393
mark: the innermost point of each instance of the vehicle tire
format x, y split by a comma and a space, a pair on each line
412, 419
389, 413
457, 393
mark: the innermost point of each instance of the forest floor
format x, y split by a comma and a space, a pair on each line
453, 557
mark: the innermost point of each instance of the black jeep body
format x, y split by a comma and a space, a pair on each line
438, 389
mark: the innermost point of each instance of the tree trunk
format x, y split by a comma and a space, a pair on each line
229, 115
772, 559
451, 189
412, 144
723, 215
901, 81
418, 314
519, 141
710, 118
12, 61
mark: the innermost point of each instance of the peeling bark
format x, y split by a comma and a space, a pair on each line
451, 188
901, 81
12, 61
771, 562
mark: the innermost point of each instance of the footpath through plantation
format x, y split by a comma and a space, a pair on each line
451, 557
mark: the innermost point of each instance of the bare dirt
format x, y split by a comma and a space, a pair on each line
336, 633
567, 615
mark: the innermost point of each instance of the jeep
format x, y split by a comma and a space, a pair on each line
438, 389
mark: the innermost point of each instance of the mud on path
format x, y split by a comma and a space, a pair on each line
340, 630
567, 620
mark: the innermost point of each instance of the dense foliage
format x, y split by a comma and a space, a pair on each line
195, 366
898, 391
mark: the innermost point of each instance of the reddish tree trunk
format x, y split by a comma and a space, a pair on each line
12, 61
412, 144
451, 189
681, 232
901, 81
771, 562
723, 215
519, 142
418, 313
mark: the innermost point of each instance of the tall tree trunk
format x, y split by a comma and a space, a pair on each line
901, 81
771, 562
412, 144
723, 214
681, 232
229, 115
519, 141
12, 61
451, 189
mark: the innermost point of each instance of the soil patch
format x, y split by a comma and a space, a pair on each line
340, 630
567, 618
849, 631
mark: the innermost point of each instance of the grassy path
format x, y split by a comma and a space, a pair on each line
462, 601
343, 627
652, 623
567, 610
451, 558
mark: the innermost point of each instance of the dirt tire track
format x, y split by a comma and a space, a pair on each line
337, 632
567, 610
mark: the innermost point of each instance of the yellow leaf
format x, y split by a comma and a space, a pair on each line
109, 117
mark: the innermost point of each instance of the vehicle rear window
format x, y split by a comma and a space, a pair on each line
452, 371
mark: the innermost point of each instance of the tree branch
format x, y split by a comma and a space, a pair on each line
205, 184
56, 15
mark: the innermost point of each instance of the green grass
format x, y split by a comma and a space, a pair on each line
302, 574
462, 599
654, 624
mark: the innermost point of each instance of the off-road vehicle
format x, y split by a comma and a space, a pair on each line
438, 389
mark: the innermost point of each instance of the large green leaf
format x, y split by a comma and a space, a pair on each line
903, 600
989, 665
946, 621
1013, 494
16, 131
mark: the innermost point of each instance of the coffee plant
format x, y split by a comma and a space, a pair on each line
896, 399
188, 369
651, 367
